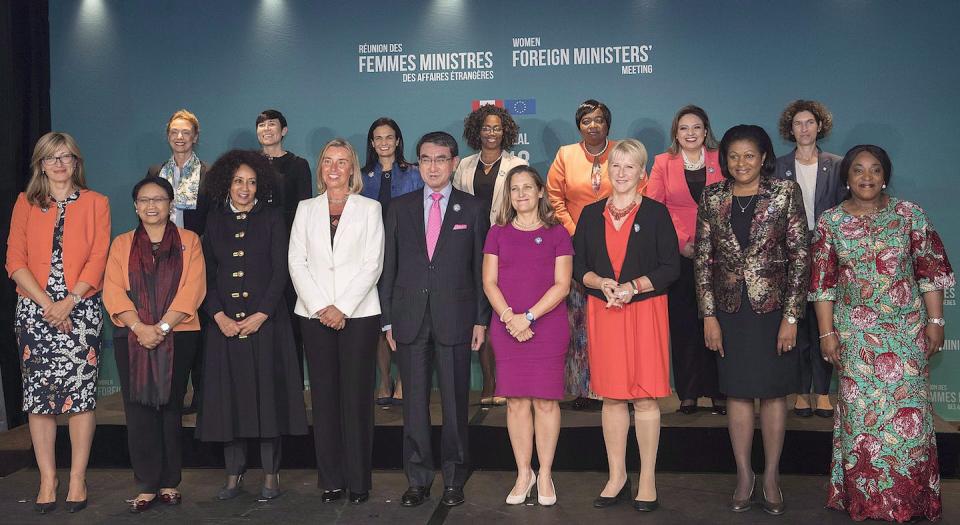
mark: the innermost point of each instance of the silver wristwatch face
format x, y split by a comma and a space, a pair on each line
529, 316
165, 327
939, 321
791, 319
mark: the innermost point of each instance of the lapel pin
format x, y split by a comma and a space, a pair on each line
789, 173
370, 174
710, 169
824, 168
456, 207
538, 240
636, 228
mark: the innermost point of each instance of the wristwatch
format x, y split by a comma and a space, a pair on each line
76, 298
791, 319
939, 321
164, 327
529, 315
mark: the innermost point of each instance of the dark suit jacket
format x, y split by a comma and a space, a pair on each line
193, 220
451, 281
831, 186
776, 264
651, 250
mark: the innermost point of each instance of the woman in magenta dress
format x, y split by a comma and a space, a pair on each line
527, 266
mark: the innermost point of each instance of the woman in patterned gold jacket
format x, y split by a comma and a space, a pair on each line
751, 267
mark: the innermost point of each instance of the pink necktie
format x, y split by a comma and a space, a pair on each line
433, 224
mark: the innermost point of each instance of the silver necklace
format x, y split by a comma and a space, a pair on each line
743, 209
488, 164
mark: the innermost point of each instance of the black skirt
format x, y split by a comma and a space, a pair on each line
252, 386
751, 367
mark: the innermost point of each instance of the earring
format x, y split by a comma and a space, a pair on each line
883, 187
848, 186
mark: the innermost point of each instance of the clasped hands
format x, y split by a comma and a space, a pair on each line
57, 313
617, 294
247, 326
148, 335
518, 326
331, 317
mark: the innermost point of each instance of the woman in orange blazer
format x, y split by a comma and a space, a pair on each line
154, 283
677, 180
56, 252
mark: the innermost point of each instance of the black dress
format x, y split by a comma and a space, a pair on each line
252, 387
295, 184
751, 367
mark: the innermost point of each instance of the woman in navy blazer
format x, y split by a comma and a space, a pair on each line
805, 122
386, 175
335, 257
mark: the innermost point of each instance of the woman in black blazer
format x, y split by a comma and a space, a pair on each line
626, 257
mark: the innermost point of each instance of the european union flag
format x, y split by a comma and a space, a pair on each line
525, 106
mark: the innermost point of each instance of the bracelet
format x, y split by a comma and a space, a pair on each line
134, 325
828, 334
504, 312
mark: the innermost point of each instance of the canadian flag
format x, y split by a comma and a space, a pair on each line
493, 102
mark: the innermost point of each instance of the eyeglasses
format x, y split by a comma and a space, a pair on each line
185, 133
65, 159
156, 201
494, 129
437, 161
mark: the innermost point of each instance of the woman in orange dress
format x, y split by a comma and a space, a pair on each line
627, 257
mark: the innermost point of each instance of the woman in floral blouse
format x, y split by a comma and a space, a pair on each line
879, 271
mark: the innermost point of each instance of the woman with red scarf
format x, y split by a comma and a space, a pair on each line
153, 284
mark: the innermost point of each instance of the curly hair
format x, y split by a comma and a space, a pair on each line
820, 113
474, 121
218, 179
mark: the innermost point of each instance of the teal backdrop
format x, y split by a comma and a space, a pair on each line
886, 69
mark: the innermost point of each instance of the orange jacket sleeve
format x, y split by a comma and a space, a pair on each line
193, 281
17, 239
92, 272
557, 192
115, 298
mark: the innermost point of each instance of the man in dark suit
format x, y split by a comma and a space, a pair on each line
434, 310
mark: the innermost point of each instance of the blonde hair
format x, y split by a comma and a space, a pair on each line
189, 117
356, 181
545, 210
38, 189
632, 148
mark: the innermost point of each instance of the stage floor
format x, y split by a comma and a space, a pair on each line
684, 499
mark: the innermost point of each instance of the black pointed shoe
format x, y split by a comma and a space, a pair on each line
359, 497
330, 496
603, 502
646, 506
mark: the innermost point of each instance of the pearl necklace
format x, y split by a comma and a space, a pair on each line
526, 227
338, 201
693, 166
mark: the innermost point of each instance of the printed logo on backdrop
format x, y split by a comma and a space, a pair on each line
394, 58
520, 106
950, 296
943, 396
627, 59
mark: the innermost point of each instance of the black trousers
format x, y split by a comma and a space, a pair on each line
195, 371
235, 455
342, 365
416, 362
694, 365
815, 373
153, 435
290, 298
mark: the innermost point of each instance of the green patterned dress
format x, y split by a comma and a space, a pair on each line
875, 269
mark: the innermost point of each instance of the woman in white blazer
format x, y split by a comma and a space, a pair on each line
490, 130
336, 256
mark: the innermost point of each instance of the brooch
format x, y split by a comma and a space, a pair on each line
789, 173
824, 168
538, 240
370, 174
456, 207
710, 169
636, 228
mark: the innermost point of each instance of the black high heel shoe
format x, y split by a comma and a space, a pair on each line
76, 506
603, 502
50, 506
228, 492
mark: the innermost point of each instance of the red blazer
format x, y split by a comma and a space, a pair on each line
669, 185
86, 240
